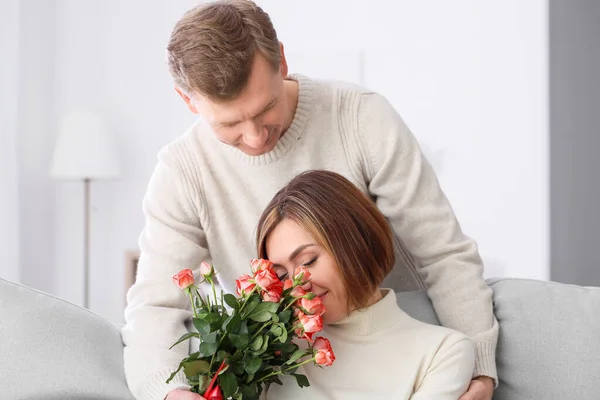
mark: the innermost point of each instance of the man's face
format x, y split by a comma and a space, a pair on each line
256, 119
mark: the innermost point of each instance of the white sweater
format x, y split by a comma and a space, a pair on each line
382, 353
204, 199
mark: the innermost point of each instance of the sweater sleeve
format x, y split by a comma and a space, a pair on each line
449, 373
407, 192
172, 239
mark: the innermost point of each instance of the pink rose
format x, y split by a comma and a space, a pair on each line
206, 269
301, 275
244, 285
288, 284
308, 325
184, 278
314, 306
298, 292
265, 278
324, 353
271, 295
260, 264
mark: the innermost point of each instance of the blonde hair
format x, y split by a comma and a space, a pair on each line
344, 221
212, 47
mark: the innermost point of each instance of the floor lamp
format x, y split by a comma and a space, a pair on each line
84, 151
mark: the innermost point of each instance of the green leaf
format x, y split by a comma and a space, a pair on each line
208, 349
250, 306
276, 330
253, 365
297, 355
210, 338
284, 335
284, 316
249, 391
185, 337
239, 341
302, 380
214, 319
232, 324
174, 373
243, 328
257, 343
221, 355
197, 367
262, 316
262, 308
201, 325
238, 368
228, 383
264, 346
275, 318
277, 380
232, 301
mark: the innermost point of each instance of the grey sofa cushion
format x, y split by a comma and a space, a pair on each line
549, 343
50, 349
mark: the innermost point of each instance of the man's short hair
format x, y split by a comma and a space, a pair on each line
213, 46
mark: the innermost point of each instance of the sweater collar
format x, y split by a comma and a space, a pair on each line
294, 132
371, 320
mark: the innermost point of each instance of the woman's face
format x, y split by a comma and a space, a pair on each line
290, 246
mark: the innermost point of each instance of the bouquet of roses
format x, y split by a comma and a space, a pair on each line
247, 341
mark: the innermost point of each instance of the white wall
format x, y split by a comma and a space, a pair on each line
468, 76
9, 226
35, 140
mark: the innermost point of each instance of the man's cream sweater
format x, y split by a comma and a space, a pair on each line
204, 199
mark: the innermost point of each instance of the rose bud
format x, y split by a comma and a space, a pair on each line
303, 335
244, 285
323, 352
184, 278
301, 275
206, 269
313, 307
260, 264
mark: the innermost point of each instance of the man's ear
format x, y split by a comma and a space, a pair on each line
187, 100
283, 67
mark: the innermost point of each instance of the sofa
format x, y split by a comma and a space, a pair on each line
549, 344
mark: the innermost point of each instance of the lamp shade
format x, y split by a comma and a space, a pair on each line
84, 149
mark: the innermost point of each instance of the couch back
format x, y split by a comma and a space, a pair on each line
549, 344
549, 341
54, 350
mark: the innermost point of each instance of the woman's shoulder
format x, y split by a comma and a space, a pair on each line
433, 335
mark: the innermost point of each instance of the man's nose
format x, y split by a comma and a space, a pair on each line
255, 136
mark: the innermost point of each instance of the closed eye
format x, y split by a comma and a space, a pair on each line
311, 262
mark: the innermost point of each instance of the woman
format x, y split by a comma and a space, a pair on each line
324, 223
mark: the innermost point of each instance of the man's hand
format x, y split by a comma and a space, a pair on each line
183, 394
481, 388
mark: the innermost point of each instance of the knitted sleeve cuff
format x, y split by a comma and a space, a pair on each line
485, 360
156, 388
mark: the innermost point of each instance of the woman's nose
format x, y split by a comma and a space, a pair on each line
307, 286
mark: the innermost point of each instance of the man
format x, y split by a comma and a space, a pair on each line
259, 128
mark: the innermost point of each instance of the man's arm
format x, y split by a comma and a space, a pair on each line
172, 239
449, 374
407, 191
